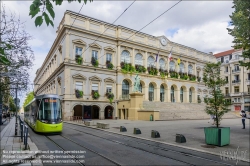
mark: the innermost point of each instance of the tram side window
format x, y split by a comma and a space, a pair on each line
40, 114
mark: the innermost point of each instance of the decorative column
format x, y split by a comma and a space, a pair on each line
146, 61
133, 57
118, 57
157, 97
168, 94
146, 93
177, 97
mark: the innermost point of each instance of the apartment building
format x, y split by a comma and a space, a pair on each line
92, 65
238, 87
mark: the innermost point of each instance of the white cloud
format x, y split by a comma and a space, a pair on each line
209, 37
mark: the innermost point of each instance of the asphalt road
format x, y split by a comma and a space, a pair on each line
97, 147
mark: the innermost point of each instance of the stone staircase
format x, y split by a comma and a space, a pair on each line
175, 111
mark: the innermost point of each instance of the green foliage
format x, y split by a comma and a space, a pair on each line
95, 95
163, 73
109, 65
140, 69
192, 77
127, 68
216, 104
110, 96
3, 55
29, 98
12, 105
183, 76
78, 59
152, 70
173, 74
241, 29
94, 62
46, 6
78, 93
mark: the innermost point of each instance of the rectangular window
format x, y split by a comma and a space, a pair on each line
239, 100
94, 88
109, 57
109, 89
226, 90
236, 89
226, 69
248, 76
248, 88
230, 57
236, 77
78, 51
79, 85
235, 100
95, 54
236, 67
226, 78
222, 59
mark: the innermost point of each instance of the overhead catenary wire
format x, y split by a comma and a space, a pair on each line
142, 27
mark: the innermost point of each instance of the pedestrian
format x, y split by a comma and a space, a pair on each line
243, 115
8, 116
211, 118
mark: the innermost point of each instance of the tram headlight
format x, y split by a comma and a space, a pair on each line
44, 121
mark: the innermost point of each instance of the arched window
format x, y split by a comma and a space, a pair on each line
125, 89
181, 95
138, 59
162, 63
162, 93
140, 88
171, 65
151, 61
182, 67
125, 57
151, 92
190, 95
190, 69
172, 94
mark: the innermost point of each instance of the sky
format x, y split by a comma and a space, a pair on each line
197, 24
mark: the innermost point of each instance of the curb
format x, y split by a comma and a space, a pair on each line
180, 146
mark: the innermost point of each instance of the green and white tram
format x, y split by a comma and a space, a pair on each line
44, 114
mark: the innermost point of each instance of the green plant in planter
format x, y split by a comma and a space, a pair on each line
95, 95
152, 70
78, 59
127, 68
109, 65
140, 69
216, 105
192, 77
163, 73
78, 93
110, 96
94, 62
173, 74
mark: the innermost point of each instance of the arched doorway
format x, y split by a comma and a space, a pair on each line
78, 110
108, 112
95, 112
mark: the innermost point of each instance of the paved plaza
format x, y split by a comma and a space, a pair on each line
193, 130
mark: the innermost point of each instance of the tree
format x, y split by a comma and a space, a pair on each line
17, 51
44, 6
29, 98
216, 104
240, 19
12, 105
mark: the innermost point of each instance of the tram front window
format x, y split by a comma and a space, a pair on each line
50, 110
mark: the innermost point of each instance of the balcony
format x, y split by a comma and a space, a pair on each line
246, 93
236, 94
235, 81
235, 70
227, 95
124, 97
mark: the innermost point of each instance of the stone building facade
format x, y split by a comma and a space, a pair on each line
82, 41
238, 87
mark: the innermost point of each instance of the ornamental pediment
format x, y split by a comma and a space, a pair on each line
108, 48
79, 41
95, 45
95, 78
79, 76
109, 80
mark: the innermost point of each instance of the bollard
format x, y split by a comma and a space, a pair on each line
155, 134
16, 128
137, 131
21, 132
26, 138
123, 129
180, 138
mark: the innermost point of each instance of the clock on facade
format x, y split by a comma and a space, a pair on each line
163, 41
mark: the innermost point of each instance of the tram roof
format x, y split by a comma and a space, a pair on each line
44, 96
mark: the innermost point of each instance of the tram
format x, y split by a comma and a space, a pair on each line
44, 114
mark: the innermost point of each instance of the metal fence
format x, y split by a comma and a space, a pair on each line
24, 130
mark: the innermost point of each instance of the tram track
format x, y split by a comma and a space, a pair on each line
134, 143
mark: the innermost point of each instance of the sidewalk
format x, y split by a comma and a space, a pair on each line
193, 130
12, 149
